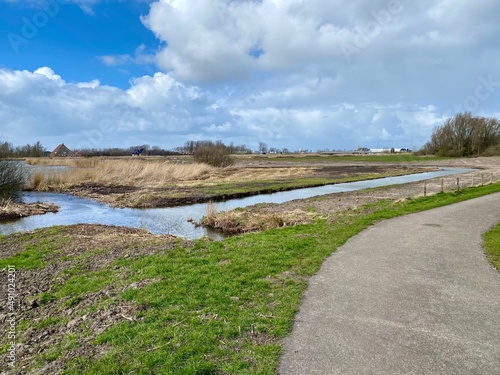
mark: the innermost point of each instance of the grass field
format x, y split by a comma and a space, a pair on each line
137, 303
367, 158
492, 246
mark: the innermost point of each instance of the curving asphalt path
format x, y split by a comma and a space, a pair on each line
411, 295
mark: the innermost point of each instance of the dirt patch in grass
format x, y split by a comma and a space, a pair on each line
55, 325
10, 210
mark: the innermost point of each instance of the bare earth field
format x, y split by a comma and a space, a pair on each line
73, 251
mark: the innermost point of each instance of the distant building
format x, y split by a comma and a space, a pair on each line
138, 152
61, 151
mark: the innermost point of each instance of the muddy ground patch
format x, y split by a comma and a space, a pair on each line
53, 324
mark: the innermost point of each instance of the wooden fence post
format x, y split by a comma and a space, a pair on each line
425, 188
482, 179
442, 185
458, 184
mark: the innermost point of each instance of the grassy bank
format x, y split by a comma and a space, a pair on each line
343, 158
111, 302
492, 246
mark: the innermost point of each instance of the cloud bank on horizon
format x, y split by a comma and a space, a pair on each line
303, 75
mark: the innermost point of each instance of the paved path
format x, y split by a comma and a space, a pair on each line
411, 295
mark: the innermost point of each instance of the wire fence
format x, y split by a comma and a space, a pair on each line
457, 183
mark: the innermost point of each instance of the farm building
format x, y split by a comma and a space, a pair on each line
61, 151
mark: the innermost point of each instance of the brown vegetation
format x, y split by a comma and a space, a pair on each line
303, 211
65, 162
12, 178
10, 210
245, 220
119, 172
162, 182
465, 135
214, 154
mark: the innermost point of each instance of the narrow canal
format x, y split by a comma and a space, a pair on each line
174, 220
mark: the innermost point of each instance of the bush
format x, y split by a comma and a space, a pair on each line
492, 151
13, 176
214, 154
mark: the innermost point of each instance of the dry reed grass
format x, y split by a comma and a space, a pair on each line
49, 162
5, 204
10, 209
65, 162
244, 221
138, 173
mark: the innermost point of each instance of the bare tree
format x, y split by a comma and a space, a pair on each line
464, 135
262, 147
13, 176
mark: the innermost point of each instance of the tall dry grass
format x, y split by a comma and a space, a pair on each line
138, 173
65, 162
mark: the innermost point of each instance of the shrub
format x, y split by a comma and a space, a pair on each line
214, 154
492, 151
12, 178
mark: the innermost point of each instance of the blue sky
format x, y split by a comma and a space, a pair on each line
73, 39
321, 74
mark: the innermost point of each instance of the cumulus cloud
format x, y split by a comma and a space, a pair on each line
49, 73
380, 50
161, 110
296, 74
48, 107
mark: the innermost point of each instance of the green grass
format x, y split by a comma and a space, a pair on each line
36, 247
260, 187
382, 158
222, 307
492, 246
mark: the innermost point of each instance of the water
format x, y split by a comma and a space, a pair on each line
174, 220
45, 169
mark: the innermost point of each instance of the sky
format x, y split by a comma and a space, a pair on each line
296, 74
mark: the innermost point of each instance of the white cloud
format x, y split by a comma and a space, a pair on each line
276, 71
161, 110
140, 58
49, 73
223, 41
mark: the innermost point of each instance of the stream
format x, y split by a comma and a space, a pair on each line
174, 220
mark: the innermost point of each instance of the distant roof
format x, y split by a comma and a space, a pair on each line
61, 150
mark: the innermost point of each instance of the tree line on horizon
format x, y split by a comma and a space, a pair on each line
465, 135
8, 150
460, 136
